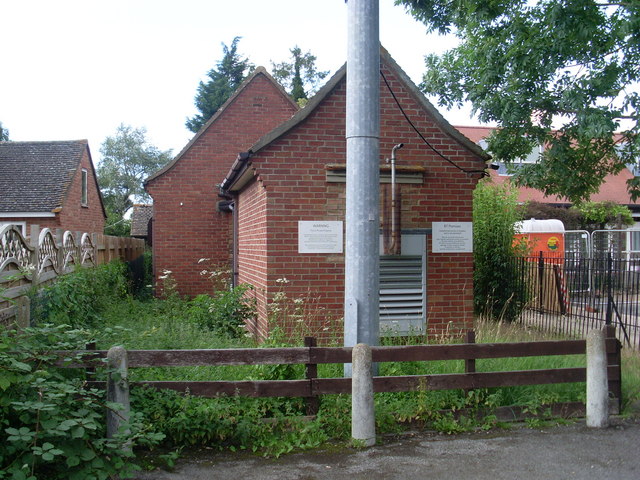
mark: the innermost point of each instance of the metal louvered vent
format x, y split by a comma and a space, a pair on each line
401, 294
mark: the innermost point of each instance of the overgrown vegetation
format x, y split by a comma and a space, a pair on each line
495, 276
52, 424
79, 299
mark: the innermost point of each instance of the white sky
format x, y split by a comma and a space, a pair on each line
75, 69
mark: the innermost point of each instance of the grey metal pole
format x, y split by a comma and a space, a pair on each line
362, 249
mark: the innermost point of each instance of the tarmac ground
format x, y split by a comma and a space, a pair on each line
568, 452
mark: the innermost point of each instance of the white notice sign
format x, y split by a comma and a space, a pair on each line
319, 237
452, 237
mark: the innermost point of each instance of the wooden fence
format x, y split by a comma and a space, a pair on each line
312, 387
46, 254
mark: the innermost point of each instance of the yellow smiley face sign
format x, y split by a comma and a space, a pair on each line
553, 243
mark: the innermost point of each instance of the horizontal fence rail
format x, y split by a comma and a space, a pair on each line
311, 387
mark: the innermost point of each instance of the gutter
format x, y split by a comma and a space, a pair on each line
238, 169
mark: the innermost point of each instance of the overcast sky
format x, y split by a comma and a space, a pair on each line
75, 69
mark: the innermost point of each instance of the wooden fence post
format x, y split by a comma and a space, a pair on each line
311, 372
117, 389
470, 363
614, 359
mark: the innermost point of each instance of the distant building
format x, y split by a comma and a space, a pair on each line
141, 222
50, 184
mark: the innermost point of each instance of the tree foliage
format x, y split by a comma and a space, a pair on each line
222, 82
584, 216
127, 160
559, 73
300, 77
4, 133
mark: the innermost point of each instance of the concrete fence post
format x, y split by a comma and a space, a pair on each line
363, 419
597, 384
117, 389
23, 312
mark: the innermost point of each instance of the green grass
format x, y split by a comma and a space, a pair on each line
234, 422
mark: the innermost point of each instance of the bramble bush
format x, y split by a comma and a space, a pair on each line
52, 425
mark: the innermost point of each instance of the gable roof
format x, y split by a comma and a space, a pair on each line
35, 176
241, 163
258, 71
140, 217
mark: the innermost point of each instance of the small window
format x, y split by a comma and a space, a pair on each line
85, 199
21, 225
505, 170
634, 168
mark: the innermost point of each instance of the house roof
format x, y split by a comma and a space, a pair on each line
240, 165
140, 217
258, 71
613, 189
35, 176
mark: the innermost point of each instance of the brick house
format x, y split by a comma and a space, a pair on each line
297, 173
50, 184
141, 217
187, 224
613, 189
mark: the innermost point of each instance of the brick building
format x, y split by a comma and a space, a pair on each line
294, 172
187, 225
50, 184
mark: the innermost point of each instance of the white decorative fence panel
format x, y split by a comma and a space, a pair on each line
26, 262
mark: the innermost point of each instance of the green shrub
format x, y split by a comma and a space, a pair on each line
78, 298
225, 312
496, 280
52, 426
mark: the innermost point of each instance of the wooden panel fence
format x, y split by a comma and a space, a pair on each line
44, 255
311, 387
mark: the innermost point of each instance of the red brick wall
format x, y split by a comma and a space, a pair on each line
187, 226
292, 175
74, 216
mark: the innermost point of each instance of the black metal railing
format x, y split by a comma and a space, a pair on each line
572, 294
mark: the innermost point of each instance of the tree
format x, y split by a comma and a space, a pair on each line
558, 73
584, 216
4, 133
300, 76
223, 81
127, 160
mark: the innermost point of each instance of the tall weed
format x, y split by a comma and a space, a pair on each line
79, 298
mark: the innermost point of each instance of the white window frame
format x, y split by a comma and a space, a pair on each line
84, 194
